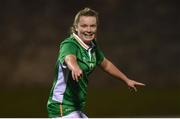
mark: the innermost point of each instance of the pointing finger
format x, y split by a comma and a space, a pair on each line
140, 84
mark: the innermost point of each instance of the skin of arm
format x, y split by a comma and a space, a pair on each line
71, 62
106, 65
111, 69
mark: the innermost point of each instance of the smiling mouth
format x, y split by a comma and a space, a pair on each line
88, 34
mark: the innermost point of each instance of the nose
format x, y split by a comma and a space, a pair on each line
89, 29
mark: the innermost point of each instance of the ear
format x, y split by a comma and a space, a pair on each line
75, 28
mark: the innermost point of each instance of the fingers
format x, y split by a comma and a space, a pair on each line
74, 77
133, 84
133, 88
77, 75
140, 84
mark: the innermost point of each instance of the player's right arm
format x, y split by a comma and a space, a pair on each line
71, 62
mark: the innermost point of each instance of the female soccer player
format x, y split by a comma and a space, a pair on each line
79, 55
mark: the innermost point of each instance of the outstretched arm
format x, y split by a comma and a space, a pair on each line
111, 69
71, 62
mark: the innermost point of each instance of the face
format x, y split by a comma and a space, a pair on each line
86, 28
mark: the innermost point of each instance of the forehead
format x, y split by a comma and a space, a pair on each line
87, 19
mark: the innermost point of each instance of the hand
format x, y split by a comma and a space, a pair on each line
71, 62
132, 84
77, 73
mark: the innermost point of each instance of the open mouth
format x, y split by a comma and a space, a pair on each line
88, 35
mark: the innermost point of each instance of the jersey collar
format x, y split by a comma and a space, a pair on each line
80, 41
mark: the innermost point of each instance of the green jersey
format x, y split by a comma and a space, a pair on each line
68, 95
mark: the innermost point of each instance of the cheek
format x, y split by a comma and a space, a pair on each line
94, 29
80, 30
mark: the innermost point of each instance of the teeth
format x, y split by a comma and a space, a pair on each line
88, 34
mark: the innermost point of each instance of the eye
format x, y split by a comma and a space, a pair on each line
83, 25
93, 26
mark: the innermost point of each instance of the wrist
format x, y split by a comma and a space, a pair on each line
126, 80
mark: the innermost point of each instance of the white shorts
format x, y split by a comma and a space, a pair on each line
75, 114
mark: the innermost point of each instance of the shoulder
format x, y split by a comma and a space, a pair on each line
69, 41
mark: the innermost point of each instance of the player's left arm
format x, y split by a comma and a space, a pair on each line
111, 69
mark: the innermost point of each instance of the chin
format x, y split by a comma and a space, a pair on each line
88, 40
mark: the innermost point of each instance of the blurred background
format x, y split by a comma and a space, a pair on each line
141, 37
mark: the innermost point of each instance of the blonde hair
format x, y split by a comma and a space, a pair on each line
84, 12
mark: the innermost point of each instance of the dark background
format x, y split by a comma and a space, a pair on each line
141, 37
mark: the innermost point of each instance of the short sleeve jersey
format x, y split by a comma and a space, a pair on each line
68, 93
